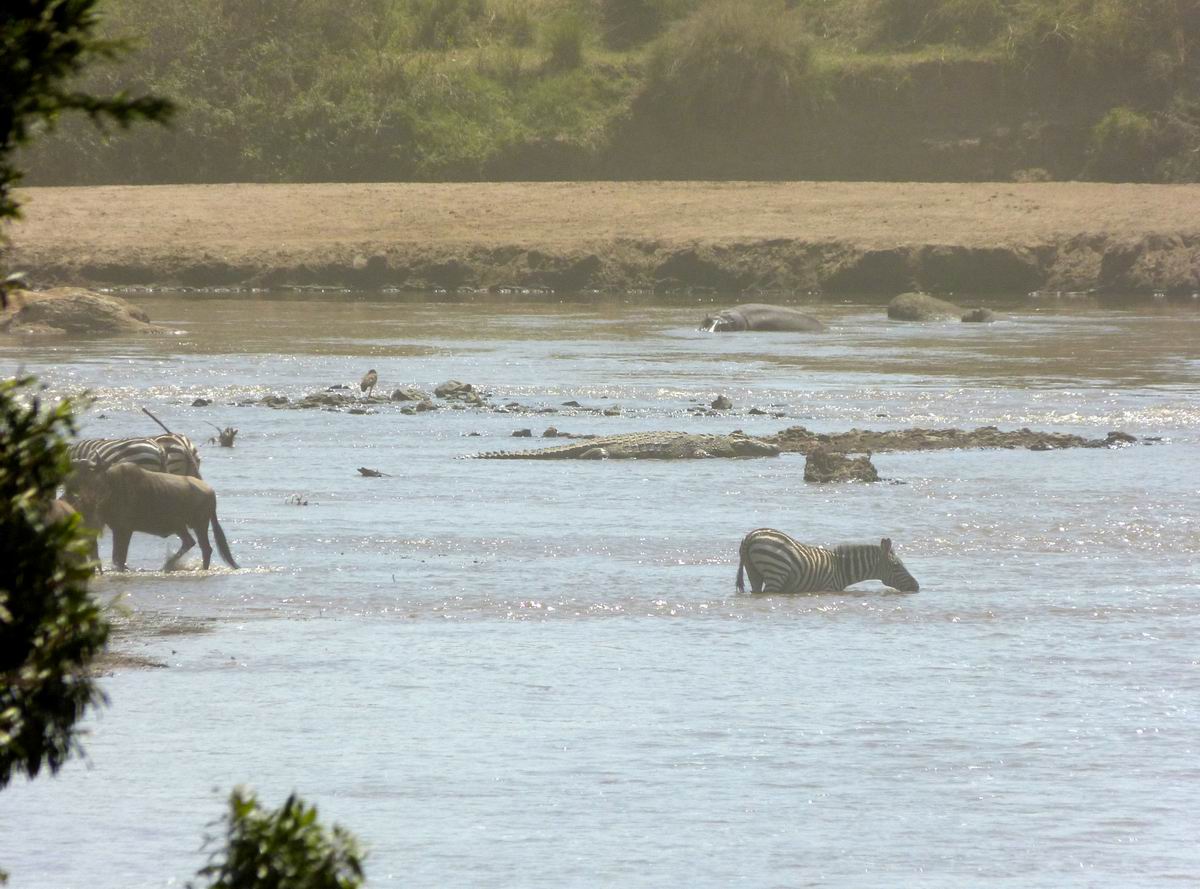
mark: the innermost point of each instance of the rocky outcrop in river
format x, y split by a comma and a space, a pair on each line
72, 311
921, 307
800, 439
821, 465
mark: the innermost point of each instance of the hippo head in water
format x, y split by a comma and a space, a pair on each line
722, 321
757, 316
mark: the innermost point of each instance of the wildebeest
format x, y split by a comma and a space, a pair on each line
127, 498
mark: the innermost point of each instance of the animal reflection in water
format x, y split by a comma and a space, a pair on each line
778, 564
128, 498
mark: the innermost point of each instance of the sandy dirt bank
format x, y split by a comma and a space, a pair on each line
834, 237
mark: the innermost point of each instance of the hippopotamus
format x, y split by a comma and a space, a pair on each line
758, 316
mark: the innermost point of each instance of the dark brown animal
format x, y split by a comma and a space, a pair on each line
127, 498
758, 316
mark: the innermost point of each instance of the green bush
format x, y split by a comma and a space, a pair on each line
1181, 141
282, 849
1129, 42
564, 37
628, 23
731, 61
439, 24
908, 23
50, 629
1121, 147
514, 21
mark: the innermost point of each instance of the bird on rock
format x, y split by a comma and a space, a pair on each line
368, 382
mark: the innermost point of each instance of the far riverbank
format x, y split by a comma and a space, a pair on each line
729, 236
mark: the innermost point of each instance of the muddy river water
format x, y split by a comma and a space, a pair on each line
538, 673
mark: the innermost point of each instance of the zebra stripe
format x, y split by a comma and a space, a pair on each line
173, 453
145, 452
182, 456
776, 563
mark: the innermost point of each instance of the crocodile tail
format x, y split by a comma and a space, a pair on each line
741, 581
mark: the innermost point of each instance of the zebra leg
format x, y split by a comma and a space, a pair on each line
187, 543
120, 548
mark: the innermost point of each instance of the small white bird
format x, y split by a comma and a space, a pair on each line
368, 382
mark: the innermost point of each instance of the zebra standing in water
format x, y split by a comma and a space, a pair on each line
778, 564
173, 453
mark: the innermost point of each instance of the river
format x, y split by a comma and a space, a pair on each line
538, 673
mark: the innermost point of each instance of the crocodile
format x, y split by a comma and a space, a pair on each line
645, 446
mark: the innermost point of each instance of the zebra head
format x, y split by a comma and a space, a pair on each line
892, 571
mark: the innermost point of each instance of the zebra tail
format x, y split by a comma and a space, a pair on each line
222, 545
741, 582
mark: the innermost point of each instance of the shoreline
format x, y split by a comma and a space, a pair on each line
831, 237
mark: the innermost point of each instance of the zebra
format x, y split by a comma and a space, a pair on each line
778, 564
173, 453
145, 452
182, 456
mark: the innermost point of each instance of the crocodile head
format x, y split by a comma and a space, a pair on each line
753, 447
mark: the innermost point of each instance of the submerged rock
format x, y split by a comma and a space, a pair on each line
797, 439
408, 393
921, 307
453, 389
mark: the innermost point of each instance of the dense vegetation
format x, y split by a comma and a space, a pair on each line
284, 848
309, 90
50, 628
